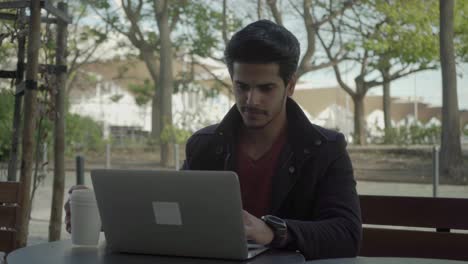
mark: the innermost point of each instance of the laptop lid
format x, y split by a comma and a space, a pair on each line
177, 213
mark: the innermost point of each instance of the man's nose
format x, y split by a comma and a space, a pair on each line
252, 96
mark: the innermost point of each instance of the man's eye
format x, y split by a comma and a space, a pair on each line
265, 89
242, 87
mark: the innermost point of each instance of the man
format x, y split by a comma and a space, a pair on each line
297, 184
287, 166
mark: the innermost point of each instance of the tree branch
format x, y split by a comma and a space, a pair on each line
176, 16
275, 12
295, 7
226, 85
336, 69
310, 29
259, 8
225, 38
113, 26
135, 34
399, 75
334, 14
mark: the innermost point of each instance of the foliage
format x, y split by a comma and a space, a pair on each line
409, 135
116, 98
172, 134
203, 26
408, 31
143, 93
82, 134
396, 33
6, 121
8, 33
461, 30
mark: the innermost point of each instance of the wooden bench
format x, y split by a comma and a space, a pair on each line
9, 216
433, 218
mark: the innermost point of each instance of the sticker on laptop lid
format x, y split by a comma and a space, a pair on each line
167, 213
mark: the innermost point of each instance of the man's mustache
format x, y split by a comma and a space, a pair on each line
253, 110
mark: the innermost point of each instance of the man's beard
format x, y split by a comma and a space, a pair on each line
263, 112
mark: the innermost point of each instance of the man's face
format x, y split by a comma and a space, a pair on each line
260, 93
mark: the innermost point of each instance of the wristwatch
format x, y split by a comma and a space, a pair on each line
279, 228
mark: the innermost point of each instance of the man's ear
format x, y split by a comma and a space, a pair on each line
291, 85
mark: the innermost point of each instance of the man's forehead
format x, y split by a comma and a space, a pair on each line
262, 69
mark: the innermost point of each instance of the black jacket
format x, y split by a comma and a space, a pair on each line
313, 190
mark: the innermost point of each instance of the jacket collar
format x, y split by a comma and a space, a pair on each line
303, 136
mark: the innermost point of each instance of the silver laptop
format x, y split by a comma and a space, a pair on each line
175, 213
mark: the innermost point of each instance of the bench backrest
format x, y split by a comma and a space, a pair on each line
9, 215
433, 218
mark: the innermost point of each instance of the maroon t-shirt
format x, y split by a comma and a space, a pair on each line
255, 176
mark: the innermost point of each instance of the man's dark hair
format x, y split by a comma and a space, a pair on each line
264, 41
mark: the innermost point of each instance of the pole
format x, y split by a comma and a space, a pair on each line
30, 94
55, 225
108, 155
415, 102
80, 170
176, 156
435, 171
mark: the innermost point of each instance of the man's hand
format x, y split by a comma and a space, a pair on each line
67, 206
256, 229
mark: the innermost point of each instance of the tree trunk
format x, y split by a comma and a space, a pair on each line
450, 154
359, 118
166, 82
156, 117
13, 162
30, 96
55, 225
146, 54
387, 104
259, 9
359, 121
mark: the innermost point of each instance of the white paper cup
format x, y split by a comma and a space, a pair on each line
85, 220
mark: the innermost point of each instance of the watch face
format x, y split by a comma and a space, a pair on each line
279, 229
275, 220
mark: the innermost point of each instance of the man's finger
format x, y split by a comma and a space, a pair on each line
248, 232
246, 217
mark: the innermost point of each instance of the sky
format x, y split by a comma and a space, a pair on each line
425, 86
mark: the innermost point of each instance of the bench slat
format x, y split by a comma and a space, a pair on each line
7, 240
415, 211
8, 216
410, 243
9, 192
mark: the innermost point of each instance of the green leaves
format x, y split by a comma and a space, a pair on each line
83, 133
6, 121
395, 36
461, 30
204, 28
116, 98
143, 93
172, 134
406, 30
